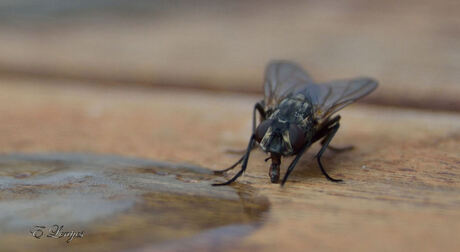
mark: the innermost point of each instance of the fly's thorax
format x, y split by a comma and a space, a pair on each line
296, 109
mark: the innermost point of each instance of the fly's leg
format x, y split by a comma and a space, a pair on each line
243, 166
338, 149
294, 163
257, 107
327, 139
219, 172
330, 147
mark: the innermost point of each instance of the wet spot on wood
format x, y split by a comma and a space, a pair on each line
120, 203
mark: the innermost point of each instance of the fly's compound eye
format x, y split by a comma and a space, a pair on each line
296, 137
262, 129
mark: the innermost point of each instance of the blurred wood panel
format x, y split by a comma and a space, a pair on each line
402, 181
411, 47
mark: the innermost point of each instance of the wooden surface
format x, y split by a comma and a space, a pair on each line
401, 189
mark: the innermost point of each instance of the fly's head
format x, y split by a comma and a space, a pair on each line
280, 137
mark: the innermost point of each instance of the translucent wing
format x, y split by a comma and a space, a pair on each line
328, 98
283, 78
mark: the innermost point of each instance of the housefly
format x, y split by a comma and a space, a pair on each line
295, 113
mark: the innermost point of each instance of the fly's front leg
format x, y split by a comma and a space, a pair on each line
294, 163
296, 159
243, 166
257, 107
219, 172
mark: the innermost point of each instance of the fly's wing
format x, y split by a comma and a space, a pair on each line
330, 97
283, 78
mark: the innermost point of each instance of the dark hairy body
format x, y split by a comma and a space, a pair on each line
295, 113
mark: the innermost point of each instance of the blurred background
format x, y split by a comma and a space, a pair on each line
411, 47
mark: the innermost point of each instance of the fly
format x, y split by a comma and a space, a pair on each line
295, 113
